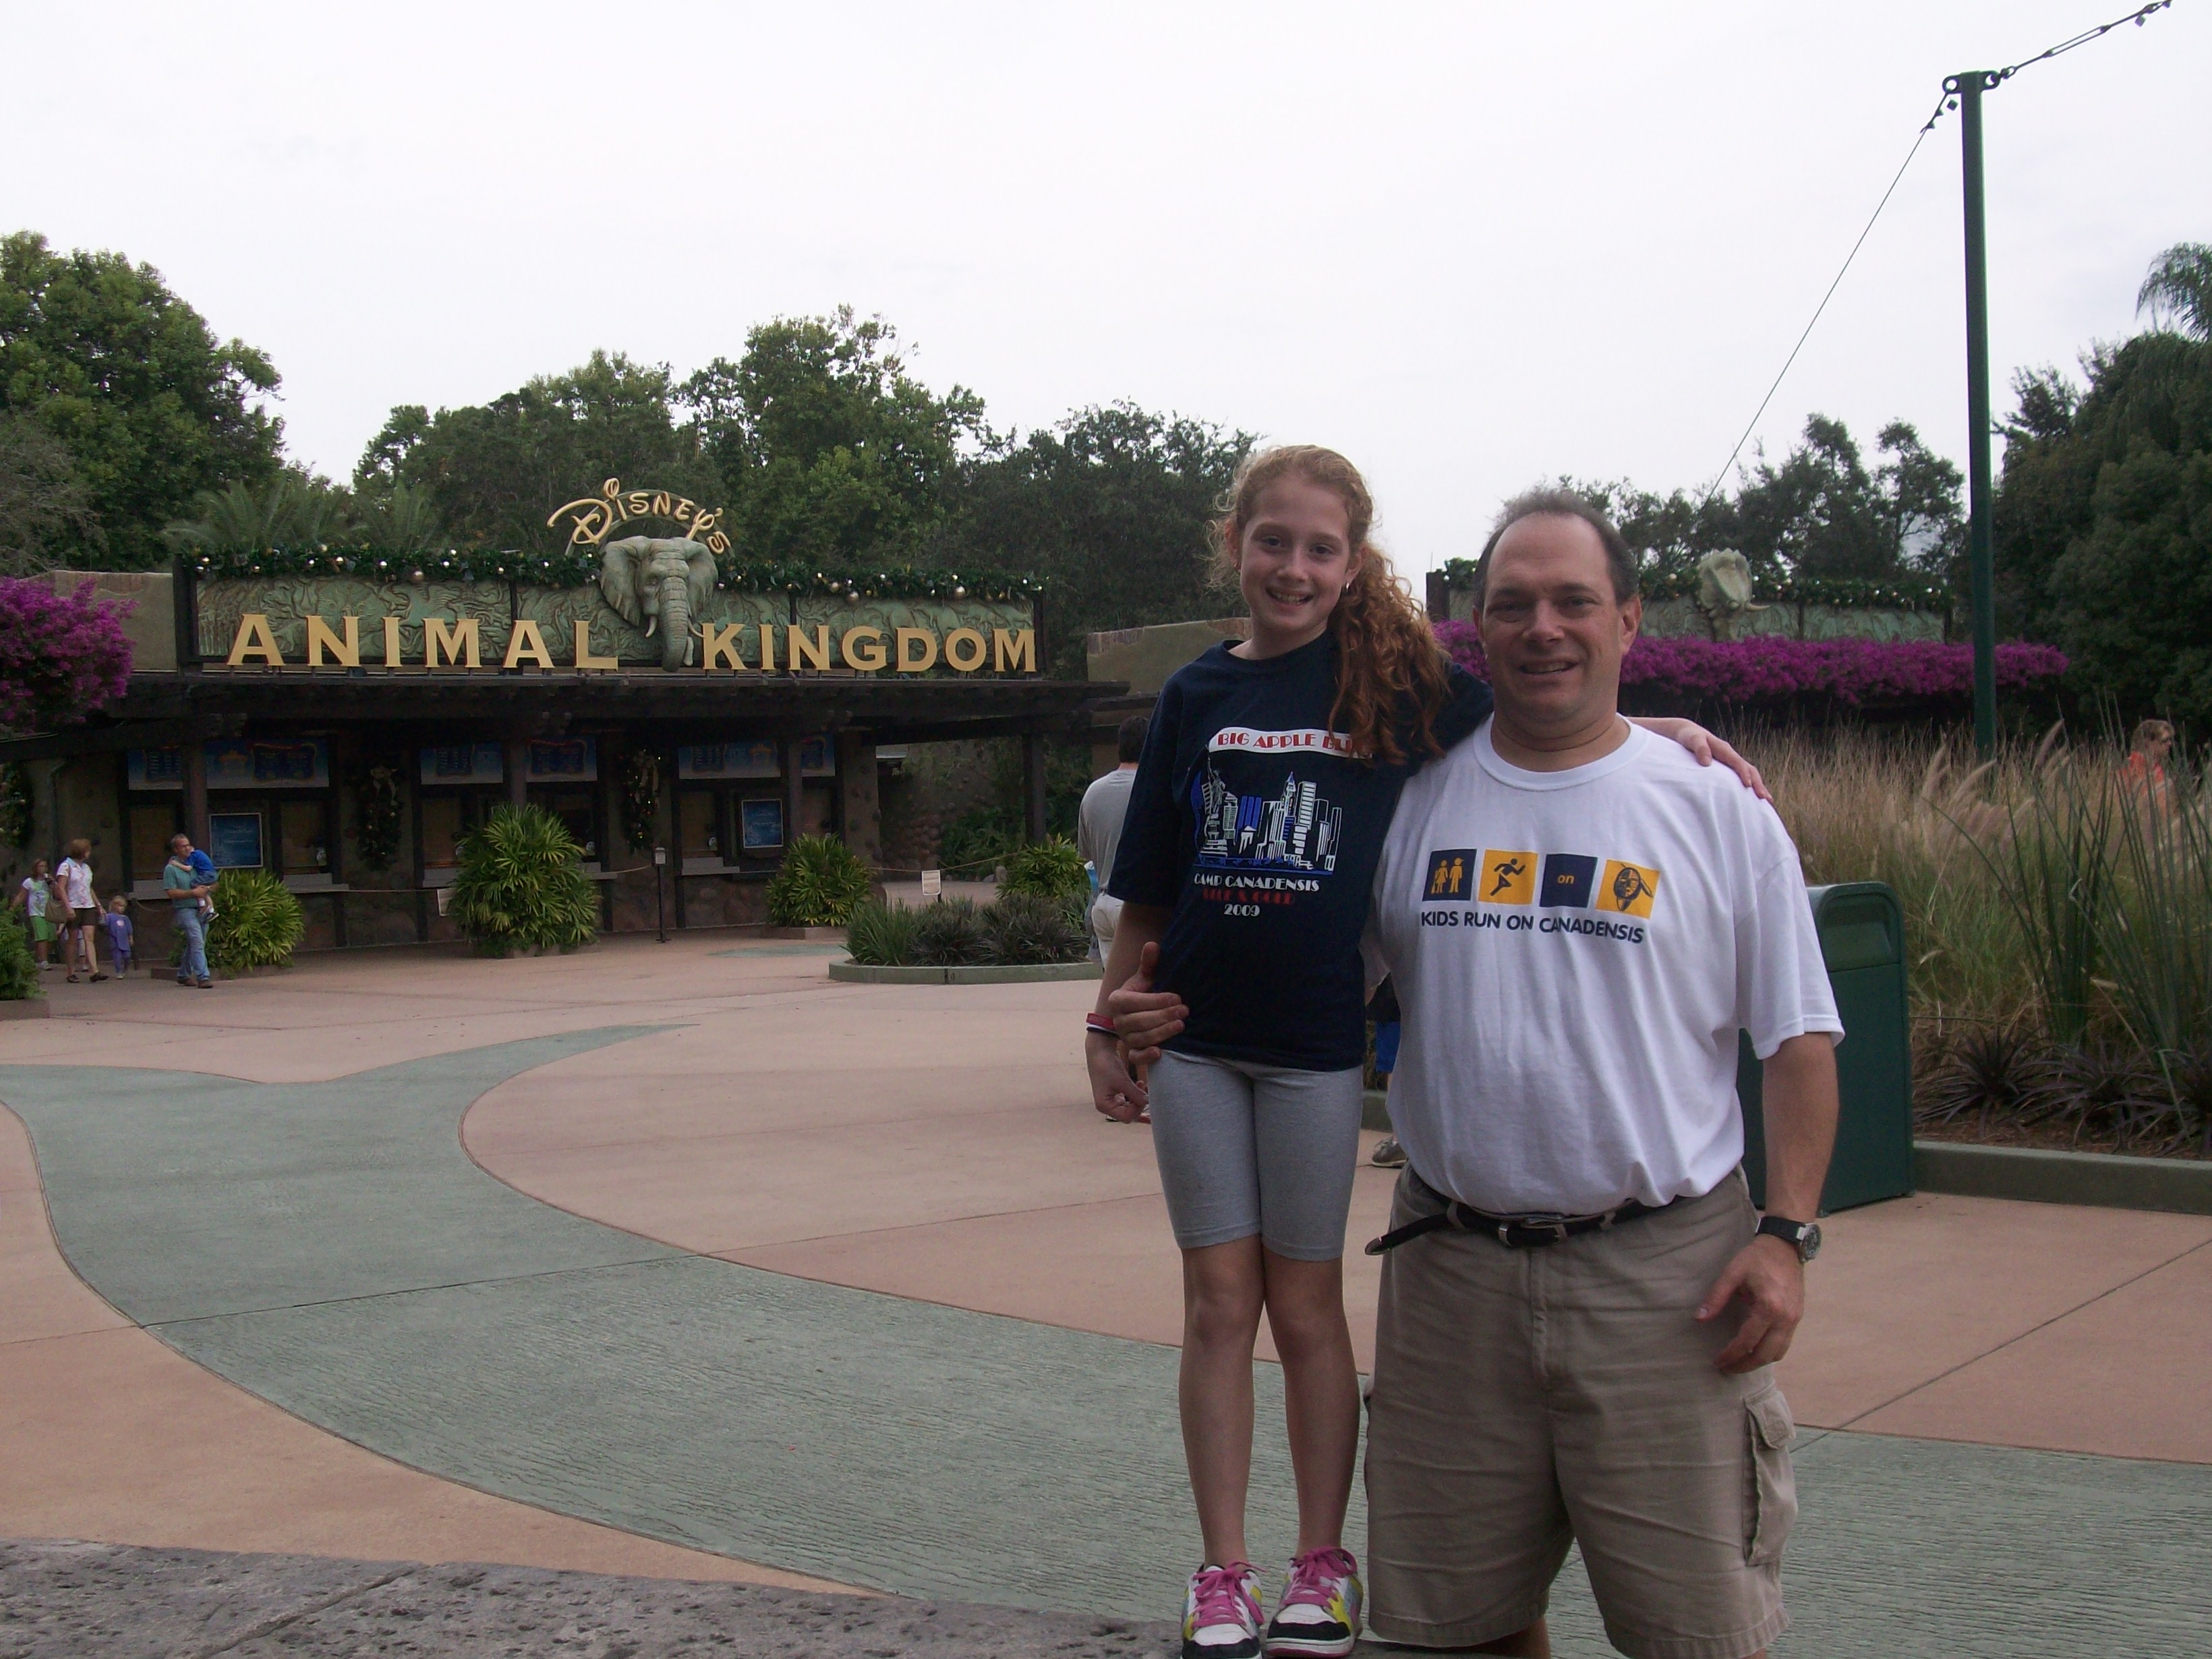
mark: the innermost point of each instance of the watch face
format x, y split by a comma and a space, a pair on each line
1808, 1245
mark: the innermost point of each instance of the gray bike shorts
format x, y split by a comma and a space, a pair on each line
1247, 1149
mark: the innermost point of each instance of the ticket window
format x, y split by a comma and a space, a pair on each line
574, 808
446, 820
705, 842
151, 827
303, 845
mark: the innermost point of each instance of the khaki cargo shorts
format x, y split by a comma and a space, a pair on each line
1526, 1400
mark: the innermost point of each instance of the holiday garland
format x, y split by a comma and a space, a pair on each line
640, 797
575, 567
378, 793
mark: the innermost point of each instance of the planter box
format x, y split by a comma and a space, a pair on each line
2101, 1179
835, 933
26, 1008
856, 972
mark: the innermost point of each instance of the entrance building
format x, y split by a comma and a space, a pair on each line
343, 721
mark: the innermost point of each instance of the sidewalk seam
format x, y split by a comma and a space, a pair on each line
2022, 1336
271, 1626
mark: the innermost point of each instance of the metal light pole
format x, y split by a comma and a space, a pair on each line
1968, 87
660, 890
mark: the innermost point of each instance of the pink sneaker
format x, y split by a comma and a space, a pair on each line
1221, 1615
1319, 1613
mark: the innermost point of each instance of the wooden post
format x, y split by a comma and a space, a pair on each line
196, 805
1033, 754
518, 771
794, 791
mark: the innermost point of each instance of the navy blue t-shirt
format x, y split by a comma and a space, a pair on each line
1252, 822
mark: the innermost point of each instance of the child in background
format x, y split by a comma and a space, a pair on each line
117, 923
203, 875
36, 896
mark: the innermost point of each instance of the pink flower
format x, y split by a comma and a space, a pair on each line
62, 655
1854, 672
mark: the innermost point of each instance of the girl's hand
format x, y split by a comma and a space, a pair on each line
1706, 748
1113, 1091
1144, 1018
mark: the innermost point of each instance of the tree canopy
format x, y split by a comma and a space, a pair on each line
1820, 513
1113, 508
494, 473
118, 407
828, 451
2104, 522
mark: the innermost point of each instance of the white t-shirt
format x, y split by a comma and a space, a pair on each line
1574, 953
76, 884
1099, 821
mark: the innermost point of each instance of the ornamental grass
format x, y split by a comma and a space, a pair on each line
2058, 927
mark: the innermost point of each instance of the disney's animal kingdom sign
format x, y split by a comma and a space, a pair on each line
658, 600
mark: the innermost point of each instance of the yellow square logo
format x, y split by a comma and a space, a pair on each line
1507, 878
1627, 888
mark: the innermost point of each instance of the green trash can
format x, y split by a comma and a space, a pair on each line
1861, 930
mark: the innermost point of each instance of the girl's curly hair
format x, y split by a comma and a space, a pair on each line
1390, 672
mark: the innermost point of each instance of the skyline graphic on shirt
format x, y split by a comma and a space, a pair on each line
1296, 828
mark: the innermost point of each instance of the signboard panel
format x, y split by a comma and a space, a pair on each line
761, 824
564, 760
234, 839
235, 763
464, 763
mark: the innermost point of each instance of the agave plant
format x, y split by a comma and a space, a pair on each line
258, 922
820, 884
950, 934
1024, 928
520, 885
883, 935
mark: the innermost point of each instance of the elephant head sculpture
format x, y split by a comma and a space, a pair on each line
1724, 590
658, 585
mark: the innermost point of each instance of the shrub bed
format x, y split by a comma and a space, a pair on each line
1015, 930
1773, 670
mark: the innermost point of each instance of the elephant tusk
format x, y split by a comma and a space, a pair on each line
651, 622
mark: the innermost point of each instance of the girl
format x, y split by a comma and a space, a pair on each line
36, 896
1257, 815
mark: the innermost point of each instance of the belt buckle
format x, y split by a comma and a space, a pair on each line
1547, 1222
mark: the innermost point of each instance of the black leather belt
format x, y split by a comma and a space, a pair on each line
1514, 1232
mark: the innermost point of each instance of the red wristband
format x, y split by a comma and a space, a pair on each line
1100, 1023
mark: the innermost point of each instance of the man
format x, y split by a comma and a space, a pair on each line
186, 890
1098, 829
1580, 1310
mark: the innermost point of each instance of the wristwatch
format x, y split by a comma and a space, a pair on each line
1803, 1237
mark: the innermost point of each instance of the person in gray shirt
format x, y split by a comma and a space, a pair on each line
1098, 829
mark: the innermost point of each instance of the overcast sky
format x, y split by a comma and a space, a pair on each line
1471, 245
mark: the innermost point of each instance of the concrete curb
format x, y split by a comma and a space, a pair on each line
26, 1008
2180, 1185
859, 973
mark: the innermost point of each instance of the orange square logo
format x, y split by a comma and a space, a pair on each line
1508, 877
1626, 888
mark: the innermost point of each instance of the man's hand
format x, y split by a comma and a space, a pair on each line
1706, 748
1769, 1280
1113, 1091
1144, 1018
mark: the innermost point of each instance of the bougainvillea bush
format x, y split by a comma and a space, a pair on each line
1853, 673
62, 655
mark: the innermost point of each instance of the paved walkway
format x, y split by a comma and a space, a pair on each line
309, 1226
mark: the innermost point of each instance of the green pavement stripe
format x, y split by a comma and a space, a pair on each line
331, 1248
